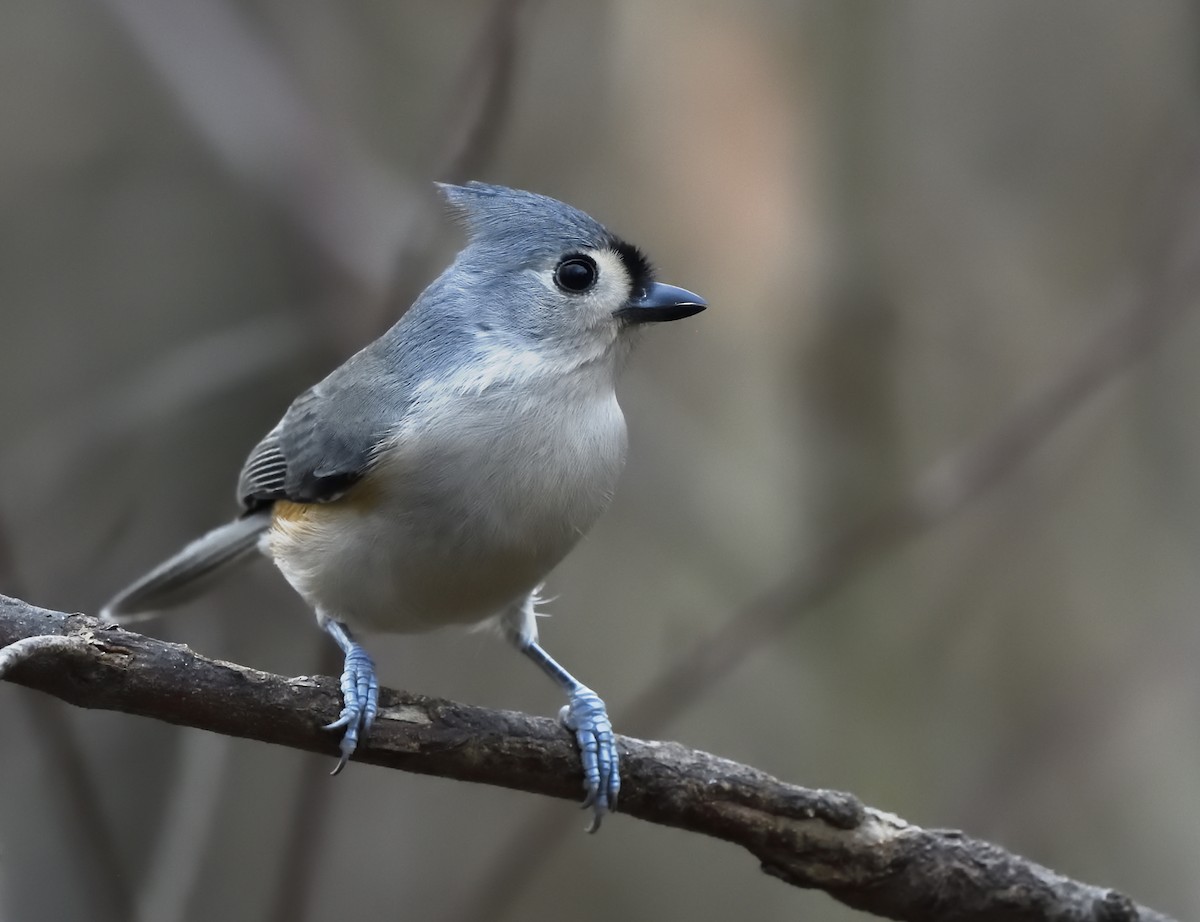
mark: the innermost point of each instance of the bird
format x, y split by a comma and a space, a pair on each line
441, 473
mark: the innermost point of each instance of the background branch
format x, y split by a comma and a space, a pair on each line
809, 838
251, 115
956, 480
64, 763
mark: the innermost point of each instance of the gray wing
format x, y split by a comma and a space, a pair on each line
325, 442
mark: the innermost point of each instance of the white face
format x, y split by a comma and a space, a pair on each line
565, 320
589, 286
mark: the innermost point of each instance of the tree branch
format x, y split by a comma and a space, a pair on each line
809, 838
1166, 292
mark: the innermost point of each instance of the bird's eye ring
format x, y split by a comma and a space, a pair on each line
576, 274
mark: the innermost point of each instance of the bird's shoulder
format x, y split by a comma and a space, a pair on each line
332, 434
325, 442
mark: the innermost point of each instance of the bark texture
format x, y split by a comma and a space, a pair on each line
821, 839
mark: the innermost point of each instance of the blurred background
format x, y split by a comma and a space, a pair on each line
921, 484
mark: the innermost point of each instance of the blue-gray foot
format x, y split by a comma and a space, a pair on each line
586, 717
360, 696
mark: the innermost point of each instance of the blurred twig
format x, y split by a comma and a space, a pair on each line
475, 117
953, 482
826, 840
52, 455
94, 847
306, 827
482, 102
239, 98
249, 111
186, 827
167, 388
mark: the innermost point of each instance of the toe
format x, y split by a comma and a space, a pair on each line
587, 717
360, 696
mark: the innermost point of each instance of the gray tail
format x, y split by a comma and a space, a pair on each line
190, 572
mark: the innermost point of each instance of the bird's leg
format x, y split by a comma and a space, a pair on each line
584, 715
360, 690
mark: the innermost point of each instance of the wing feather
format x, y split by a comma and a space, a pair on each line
326, 441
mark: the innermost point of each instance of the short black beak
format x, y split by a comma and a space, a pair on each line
661, 302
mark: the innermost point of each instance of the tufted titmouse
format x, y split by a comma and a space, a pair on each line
443, 471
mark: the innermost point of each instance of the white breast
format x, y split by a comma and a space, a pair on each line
470, 505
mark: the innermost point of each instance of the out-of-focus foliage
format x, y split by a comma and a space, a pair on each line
906, 216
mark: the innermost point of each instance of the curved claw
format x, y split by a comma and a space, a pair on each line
586, 716
360, 696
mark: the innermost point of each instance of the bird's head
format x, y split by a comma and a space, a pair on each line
540, 270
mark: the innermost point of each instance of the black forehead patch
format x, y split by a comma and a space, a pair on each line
641, 272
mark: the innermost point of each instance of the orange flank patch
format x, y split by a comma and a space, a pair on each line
287, 511
296, 521
358, 498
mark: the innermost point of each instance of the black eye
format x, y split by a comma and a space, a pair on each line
575, 273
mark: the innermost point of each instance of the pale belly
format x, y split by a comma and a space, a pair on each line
457, 543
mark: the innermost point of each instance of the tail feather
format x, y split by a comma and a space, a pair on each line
190, 572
